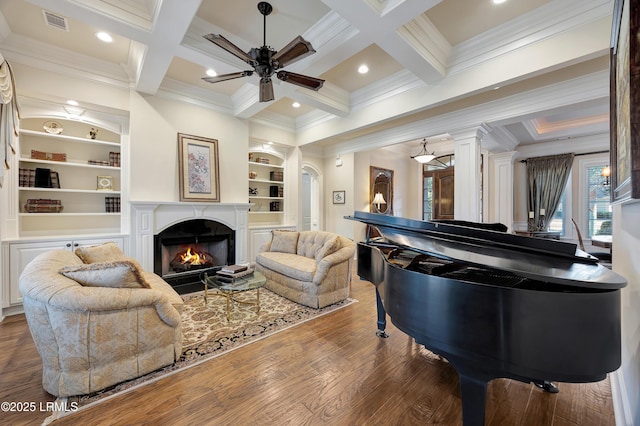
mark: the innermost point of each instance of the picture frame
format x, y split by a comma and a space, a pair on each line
104, 183
198, 169
624, 61
339, 197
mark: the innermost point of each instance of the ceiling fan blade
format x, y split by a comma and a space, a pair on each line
297, 49
225, 77
222, 42
305, 81
266, 89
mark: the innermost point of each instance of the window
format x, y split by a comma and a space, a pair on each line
557, 221
598, 208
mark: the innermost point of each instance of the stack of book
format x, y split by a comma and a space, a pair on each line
112, 204
277, 176
27, 178
43, 205
114, 159
233, 272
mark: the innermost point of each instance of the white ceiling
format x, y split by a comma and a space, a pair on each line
407, 44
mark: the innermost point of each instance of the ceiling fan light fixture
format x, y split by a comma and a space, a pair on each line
266, 89
423, 156
266, 61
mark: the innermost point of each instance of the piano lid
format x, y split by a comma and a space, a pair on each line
540, 259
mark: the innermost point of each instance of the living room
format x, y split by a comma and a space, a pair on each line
562, 74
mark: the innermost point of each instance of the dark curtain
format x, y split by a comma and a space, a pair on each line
547, 178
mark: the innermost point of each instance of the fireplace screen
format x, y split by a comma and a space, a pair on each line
184, 250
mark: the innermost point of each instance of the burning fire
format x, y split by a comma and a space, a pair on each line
193, 258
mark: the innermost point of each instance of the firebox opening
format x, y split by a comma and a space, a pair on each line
185, 250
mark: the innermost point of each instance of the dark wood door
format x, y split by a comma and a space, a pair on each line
442, 193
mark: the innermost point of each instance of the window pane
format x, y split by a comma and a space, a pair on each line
598, 205
557, 221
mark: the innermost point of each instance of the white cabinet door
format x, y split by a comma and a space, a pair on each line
20, 254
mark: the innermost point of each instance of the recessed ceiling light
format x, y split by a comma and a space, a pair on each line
72, 102
499, 1
211, 73
106, 37
296, 104
363, 69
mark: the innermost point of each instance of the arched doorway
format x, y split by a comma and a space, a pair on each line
437, 188
310, 199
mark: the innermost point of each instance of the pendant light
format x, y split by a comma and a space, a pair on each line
423, 156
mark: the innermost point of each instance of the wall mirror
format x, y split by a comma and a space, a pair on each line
381, 194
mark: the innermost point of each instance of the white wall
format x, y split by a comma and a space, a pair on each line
339, 179
155, 123
626, 381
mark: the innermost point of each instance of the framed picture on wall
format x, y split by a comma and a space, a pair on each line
625, 102
198, 168
338, 197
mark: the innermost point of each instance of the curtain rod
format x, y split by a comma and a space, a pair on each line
577, 155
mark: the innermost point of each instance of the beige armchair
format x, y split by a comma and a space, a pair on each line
92, 337
312, 268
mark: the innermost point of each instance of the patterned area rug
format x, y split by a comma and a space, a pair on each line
207, 333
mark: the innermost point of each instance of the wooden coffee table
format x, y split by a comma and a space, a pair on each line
229, 290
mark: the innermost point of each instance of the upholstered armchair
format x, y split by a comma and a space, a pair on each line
99, 324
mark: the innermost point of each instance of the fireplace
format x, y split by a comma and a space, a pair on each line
183, 251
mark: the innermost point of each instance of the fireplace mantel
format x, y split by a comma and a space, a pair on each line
148, 218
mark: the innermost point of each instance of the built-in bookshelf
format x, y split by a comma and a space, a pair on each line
266, 187
69, 178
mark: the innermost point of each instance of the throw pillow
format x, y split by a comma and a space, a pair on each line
101, 253
284, 241
118, 274
330, 246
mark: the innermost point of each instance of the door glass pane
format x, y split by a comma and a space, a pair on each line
598, 202
427, 196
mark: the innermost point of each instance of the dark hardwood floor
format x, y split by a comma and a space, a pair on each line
329, 371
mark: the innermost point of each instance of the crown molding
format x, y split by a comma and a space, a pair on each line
492, 114
542, 23
62, 61
187, 93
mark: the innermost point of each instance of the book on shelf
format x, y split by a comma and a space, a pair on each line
112, 204
27, 178
114, 159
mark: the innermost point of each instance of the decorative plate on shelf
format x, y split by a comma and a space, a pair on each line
53, 127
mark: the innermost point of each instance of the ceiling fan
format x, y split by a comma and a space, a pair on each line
266, 61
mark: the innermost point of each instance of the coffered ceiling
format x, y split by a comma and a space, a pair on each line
409, 46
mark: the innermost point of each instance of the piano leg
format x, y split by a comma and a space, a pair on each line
474, 395
382, 317
547, 386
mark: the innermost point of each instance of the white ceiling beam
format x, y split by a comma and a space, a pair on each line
172, 22
383, 31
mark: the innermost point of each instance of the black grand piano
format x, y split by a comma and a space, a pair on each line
495, 305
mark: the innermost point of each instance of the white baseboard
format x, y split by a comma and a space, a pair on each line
621, 408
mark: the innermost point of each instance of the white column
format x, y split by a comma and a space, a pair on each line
501, 188
467, 175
